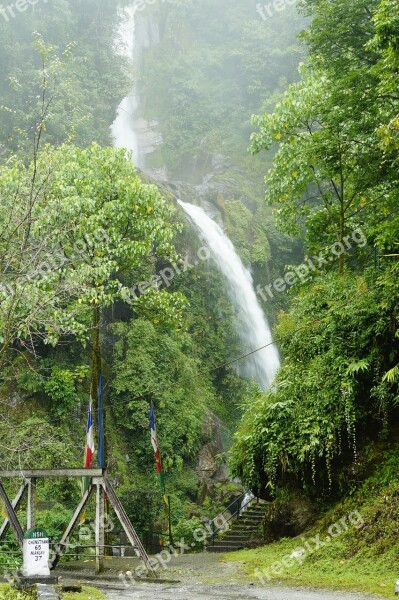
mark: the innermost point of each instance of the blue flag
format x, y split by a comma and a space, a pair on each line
100, 426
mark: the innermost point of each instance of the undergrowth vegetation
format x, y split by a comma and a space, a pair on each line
363, 556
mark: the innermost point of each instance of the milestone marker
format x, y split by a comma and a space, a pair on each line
36, 551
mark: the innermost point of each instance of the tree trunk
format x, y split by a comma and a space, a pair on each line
95, 358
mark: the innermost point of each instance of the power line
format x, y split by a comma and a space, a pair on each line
201, 373
213, 369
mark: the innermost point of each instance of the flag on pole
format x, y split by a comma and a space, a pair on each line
89, 452
100, 425
89, 448
155, 446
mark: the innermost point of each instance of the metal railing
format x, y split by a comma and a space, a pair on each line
219, 523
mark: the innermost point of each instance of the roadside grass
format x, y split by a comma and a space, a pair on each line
364, 559
329, 570
9, 593
87, 593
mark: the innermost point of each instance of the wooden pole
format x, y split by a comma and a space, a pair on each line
100, 538
63, 545
31, 509
12, 517
170, 522
15, 504
50, 473
96, 371
95, 357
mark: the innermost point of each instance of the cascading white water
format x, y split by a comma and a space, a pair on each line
123, 131
251, 324
136, 33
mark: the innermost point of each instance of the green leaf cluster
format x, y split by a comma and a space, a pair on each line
335, 169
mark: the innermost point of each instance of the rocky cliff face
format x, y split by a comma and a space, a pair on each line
209, 465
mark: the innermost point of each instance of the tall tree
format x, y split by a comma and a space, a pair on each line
92, 227
328, 168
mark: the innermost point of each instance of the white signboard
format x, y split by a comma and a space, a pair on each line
36, 555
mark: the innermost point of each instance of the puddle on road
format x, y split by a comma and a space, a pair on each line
205, 577
146, 592
226, 592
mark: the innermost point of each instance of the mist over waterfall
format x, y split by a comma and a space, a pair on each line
134, 133
251, 323
136, 32
123, 130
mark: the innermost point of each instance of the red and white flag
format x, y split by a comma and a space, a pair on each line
155, 446
89, 451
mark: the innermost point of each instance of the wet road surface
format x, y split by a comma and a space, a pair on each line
207, 577
226, 592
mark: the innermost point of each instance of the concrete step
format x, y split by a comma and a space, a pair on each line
221, 548
236, 538
249, 520
245, 525
224, 542
242, 533
255, 511
46, 592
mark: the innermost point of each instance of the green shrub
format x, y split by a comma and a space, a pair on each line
190, 532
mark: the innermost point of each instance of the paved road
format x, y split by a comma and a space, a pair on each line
226, 592
207, 577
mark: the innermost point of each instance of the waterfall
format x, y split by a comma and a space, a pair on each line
136, 32
131, 132
123, 129
251, 323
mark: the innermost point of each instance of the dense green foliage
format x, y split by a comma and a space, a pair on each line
80, 230
151, 361
335, 170
78, 96
330, 394
361, 555
84, 238
222, 62
215, 64
74, 223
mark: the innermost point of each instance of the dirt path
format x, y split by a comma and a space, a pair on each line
205, 576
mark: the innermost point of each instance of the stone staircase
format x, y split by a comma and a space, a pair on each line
243, 531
